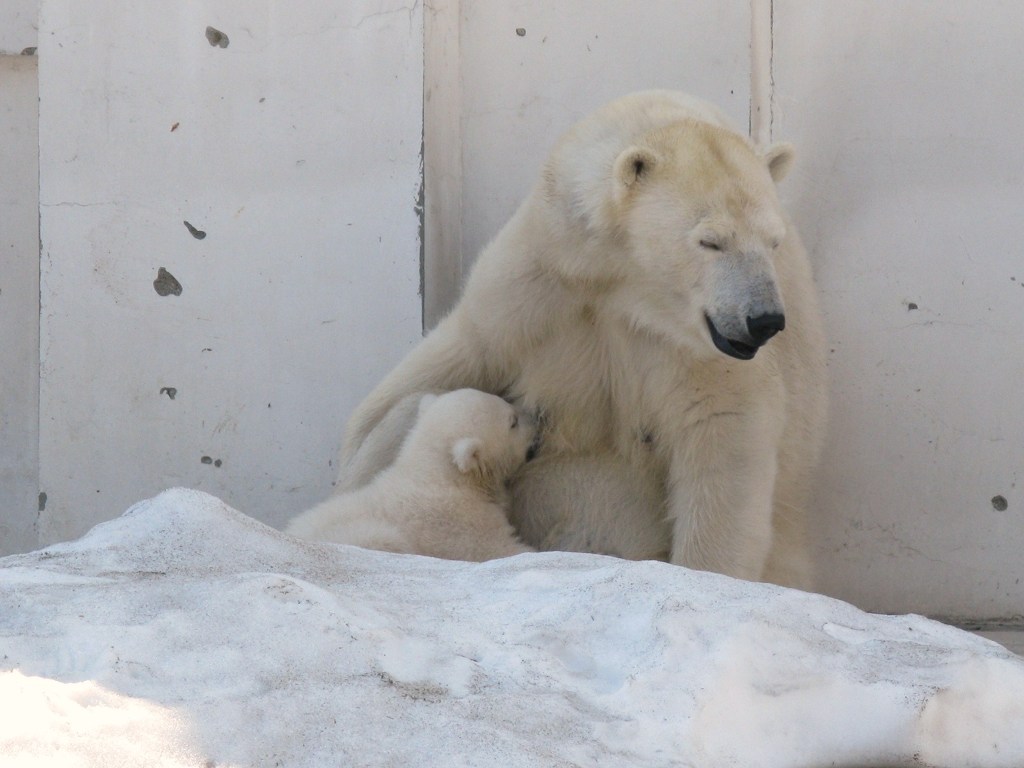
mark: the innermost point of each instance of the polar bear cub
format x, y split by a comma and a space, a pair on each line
445, 494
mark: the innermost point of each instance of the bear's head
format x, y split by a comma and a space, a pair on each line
679, 218
482, 437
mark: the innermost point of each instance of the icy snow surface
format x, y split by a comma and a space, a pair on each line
187, 634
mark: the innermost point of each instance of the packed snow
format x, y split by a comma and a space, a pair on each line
187, 634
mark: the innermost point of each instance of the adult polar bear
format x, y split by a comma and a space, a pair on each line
630, 301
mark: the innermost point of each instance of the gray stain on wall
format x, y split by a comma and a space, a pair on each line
216, 38
198, 234
166, 284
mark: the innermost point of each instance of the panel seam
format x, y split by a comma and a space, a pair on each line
762, 71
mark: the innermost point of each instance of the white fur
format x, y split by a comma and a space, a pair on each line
590, 307
444, 494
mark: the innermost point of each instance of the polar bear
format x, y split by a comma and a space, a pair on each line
651, 301
445, 494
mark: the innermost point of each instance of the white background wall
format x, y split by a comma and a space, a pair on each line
295, 149
910, 193
907, 190
19, 277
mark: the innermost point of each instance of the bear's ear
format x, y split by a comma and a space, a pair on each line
425, 402
466, 454
779, 159
633, 165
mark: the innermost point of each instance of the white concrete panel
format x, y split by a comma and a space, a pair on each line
909, 188
19, 303
442, 159
288, 138
18, 25
532, 69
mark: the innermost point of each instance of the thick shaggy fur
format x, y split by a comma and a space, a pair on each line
616, 304
444, 495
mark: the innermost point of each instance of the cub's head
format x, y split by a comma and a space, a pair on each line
680, 219
483, 437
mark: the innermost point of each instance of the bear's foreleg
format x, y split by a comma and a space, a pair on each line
721, 483
380, 447
446, 359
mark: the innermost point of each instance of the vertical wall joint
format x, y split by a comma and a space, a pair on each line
762, 79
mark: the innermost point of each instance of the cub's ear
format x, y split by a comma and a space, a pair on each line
779, 159
632, 166
466, 454
425, 402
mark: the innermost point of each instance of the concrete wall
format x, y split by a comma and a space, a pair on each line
18, 26
19, 298
230, 249
909, 190
19, 277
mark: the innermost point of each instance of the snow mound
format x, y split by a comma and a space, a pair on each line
187, 634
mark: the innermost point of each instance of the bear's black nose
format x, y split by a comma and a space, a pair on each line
763, 327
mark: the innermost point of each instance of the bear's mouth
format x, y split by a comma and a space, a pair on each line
731, 347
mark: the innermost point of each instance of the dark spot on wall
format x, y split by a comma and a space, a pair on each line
166, 284
198, 234
42, 501
911, 306
217, 462
175, 127
30, 51
521, 31
171, 392
999, 503
211, 460
217, 38
262, 99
